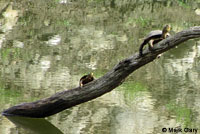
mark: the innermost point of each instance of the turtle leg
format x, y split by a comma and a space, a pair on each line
151, 45
81, 84
158, 56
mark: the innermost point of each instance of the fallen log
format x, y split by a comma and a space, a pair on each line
69, 98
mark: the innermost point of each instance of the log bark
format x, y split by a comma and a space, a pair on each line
72, 97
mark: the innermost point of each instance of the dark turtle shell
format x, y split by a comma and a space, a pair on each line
86, 79
154, 35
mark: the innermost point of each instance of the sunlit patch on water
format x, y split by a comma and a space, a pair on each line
11, 17
91, 65
7, 126
180, 66
197, 11
2, 38
64, 1
198, 49
97, 40
145, 102
123, 38
54, 40
45, 64
100, 45
8, 21
18, 44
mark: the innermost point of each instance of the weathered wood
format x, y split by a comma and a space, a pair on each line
96, 88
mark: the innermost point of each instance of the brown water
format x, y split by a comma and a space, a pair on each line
46, 46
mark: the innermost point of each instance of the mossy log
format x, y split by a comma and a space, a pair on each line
72, 97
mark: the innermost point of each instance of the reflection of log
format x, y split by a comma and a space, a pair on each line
108, 82
38, 126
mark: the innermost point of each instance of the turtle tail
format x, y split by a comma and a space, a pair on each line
141, 47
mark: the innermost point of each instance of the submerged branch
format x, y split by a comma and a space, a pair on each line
96, 88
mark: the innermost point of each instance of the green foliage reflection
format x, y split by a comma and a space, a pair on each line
10, 52
64, 23
183, 114
133, 89
9, 96
183, 3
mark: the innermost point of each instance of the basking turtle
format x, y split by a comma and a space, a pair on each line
154, 37
86, 79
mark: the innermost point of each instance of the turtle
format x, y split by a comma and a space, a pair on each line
154, 37
86, 79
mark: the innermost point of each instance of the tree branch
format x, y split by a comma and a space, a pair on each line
69, 98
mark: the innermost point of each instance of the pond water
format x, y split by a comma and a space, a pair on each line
46, 46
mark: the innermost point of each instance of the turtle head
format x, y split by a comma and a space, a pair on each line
91, 75
166, 30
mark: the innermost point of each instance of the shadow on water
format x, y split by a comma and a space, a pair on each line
35, 125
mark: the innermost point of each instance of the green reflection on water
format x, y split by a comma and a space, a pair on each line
65, 23
133, 86
7, 53
183, 113
10, 96
183, 3
133, 89
144, 22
